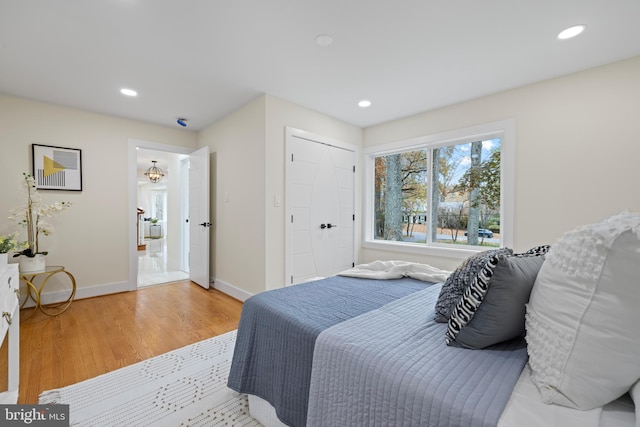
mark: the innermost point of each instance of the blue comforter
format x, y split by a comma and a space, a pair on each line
391, 367
278, 329
377, 357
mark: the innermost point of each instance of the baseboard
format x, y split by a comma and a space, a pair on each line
114, 288
81, 293
231, 290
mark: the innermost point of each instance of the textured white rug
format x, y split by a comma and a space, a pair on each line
185, 387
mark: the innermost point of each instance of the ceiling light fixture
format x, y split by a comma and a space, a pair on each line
364, 103
154, 174
128, 92
324, 40
571, 32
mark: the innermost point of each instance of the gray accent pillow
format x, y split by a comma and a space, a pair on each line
492, 310
460, 279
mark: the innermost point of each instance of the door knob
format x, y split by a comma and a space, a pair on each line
323, 226
206, 224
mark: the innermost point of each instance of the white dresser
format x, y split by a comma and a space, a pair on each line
10, 328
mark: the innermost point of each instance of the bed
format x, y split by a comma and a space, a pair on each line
360, 351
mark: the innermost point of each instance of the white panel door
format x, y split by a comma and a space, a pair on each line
199, 225
321, 187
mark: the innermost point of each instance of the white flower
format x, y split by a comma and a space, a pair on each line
31, 216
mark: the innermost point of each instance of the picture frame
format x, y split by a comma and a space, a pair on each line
57, 168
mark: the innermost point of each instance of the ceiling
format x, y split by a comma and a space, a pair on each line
202, 59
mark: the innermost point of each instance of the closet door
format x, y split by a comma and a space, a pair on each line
320, 201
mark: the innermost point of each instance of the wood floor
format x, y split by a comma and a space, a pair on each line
98, 335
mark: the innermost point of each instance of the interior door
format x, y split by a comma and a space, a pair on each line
321, 188
199, 222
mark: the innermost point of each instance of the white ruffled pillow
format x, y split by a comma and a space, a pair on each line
583, 315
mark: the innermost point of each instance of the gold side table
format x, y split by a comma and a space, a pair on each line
34, 292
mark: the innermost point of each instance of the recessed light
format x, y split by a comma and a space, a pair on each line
128, 92
324, 40
571, 32
364, 103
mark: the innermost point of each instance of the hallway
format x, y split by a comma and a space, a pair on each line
152, 265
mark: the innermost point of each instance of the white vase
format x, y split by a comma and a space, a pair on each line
4, 259
32, 264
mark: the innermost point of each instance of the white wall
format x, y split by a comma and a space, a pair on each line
577, 149
91, 238
238, 149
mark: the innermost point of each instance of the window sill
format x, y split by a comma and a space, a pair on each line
440, 250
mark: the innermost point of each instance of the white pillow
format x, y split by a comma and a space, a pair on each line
583, 316
635, 395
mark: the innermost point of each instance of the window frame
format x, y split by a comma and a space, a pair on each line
505, 130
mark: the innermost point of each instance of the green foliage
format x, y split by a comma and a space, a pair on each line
487, 179
9, 243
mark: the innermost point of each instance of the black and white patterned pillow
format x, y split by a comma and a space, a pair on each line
537, 250
460, 279
471, 299
522, 276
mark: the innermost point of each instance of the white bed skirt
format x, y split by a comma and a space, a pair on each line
262, 411
524, 409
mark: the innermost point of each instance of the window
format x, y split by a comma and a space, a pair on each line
445, 192
159, 204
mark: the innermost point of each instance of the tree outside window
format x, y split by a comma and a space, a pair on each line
449, 194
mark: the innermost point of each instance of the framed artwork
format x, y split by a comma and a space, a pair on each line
57, 168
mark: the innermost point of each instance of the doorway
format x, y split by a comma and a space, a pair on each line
161, 247
168, 250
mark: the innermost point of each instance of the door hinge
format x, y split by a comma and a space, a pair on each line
354, 168
353, 264
292, 157
291, 219
292, 280
354, 217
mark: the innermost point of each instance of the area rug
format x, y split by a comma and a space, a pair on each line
185, 387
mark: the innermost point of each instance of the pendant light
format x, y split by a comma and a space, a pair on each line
154, 174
